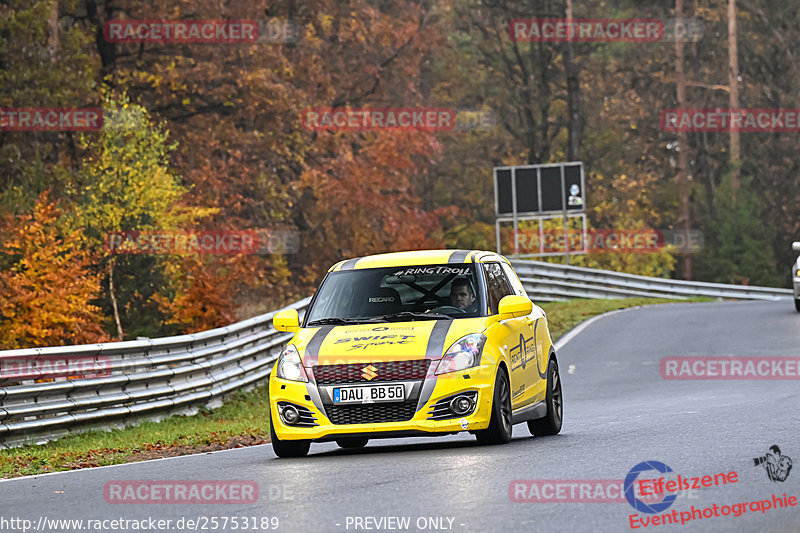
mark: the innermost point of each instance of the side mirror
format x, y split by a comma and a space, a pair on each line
287, 320
513, 306
796, 246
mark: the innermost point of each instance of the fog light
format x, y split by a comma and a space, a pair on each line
461, 405
290, 414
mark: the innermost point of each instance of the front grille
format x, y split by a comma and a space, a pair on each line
415, 369
374, 413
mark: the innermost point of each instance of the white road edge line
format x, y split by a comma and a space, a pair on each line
571, 334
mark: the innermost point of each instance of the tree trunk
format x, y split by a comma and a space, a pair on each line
574, 126
52, 30
683, 178
120, 333
106, 50
733, 83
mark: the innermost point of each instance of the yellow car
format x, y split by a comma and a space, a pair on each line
413, 344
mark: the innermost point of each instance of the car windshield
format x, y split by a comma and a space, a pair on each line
423, 292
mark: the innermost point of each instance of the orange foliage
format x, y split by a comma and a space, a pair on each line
366, 204
46, 294
203, 297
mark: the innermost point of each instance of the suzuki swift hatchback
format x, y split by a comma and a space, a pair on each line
413, 344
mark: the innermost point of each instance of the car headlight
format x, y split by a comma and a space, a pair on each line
464, 353
290, 366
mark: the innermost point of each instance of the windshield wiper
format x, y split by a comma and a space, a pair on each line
411, 315
334, 322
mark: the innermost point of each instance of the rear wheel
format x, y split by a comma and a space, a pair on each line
352, 442
797, 304
551, 423
500, 428
287, 448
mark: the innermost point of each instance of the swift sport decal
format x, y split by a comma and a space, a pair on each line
365, 341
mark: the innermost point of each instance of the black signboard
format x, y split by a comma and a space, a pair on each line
539, 189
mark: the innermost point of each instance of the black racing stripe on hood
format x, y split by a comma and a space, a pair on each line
313, 346
458, 256
435, 350
350, 264
435, 347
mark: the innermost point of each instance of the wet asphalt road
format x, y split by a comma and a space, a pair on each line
619, 411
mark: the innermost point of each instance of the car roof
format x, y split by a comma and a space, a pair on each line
418, 257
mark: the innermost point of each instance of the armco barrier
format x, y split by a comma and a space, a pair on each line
153, 377
144, 377
550, 281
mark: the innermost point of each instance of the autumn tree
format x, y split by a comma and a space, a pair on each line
43, 63
125, 183
46, 295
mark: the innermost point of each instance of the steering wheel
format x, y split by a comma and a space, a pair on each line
448, 308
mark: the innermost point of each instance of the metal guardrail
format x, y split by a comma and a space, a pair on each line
550, 282
140, 379
143, 377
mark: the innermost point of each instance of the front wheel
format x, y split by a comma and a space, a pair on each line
500, 428
551, 423
797, 304
287, 448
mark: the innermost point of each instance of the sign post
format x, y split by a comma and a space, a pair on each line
540, 192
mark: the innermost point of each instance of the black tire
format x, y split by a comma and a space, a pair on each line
551, 423
500, 427
352, 442
287, 448
797, 305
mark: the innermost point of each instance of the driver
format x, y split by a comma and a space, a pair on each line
462, 295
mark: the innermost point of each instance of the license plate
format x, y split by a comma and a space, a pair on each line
369, 394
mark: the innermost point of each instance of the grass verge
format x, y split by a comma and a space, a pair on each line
242, 421
563, 316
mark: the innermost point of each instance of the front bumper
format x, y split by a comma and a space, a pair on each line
796, 285
419, 424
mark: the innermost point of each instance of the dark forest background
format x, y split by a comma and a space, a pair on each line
208, 136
